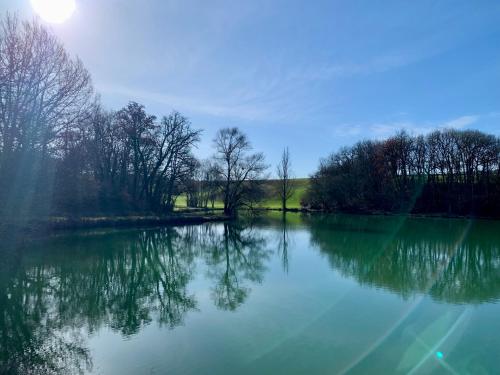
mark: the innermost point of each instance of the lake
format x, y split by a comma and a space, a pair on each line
309, 294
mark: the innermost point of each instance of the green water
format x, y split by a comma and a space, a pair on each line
305, 295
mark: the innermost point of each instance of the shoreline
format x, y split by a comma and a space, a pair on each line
380, 213
61, 223
34, 227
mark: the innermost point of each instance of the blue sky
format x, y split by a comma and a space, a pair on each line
310, 75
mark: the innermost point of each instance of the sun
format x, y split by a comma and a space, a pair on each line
54, 11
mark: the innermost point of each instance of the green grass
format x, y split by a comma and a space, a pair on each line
181, 203
272, 200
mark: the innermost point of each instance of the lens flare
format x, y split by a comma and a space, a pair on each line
54, 11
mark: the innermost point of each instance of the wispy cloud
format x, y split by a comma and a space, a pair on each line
461, 122
208, 106
383, 130
268, 89
346, 130
369, 65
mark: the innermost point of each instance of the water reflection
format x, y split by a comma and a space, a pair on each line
35, 337
233, 258
454, 261
283, 242
53, 294
120, 280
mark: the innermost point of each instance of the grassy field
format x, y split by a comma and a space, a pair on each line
272, 200
181, 202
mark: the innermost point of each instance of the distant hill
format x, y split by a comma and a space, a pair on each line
273, 199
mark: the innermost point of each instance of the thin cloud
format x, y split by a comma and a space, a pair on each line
346, 130
371, 65
197, 105
461, 122
386, 129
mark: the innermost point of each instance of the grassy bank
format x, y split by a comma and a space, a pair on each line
272, 199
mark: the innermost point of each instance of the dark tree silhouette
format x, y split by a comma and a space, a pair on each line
447, 171
203, 185
286, 184
62, 153
239, 171
43, 94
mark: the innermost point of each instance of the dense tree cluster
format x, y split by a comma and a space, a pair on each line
447, 171
61, 152
136, 161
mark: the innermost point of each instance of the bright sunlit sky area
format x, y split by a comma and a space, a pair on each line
310, 75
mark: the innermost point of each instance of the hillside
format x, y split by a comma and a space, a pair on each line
272, 201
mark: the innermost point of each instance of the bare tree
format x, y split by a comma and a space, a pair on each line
202, 184
42, 90
210, 183
106, 149
286, 185
43, 93
138, 127
238, 170
174, 161
140, 159
193, 186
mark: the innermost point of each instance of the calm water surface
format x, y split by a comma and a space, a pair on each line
305, 295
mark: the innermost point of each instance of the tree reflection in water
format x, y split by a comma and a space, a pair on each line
238, 255
454, 261
283, 243
123, 280
33, 338
51, 299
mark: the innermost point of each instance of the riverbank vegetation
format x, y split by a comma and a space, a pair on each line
63, 154
447, 171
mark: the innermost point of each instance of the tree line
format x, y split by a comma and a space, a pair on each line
62, 152
447, 171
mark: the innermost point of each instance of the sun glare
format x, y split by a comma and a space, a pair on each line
54, 11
